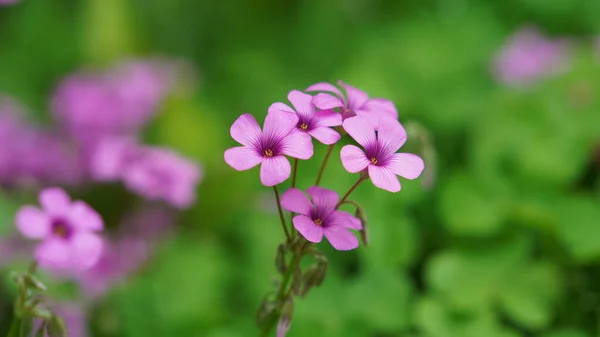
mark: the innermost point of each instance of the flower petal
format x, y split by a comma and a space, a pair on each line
245, 130
326, 101
274, 170
327, 118
297, 145
406, 165
279, 124
55, 201
345, 219
322, 86
302, 102
356, 97
382, 105
391, 135
310, 230
87, 248
325, 135
324, 200
278, 106
54, 254
32, 222
242, 158
384, 178
370, 117
341, 238
354, 159
84, 217
295, 201
359, 129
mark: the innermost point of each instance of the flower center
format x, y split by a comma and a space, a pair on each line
318, 222
304, 126
61, 229
268, 153
374, 161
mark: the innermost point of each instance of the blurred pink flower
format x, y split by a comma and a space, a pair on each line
379, 155
527, 56
8, 2
68, 231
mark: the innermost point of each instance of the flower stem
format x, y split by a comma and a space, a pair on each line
327, 155
287, 234
15, 327
360, 180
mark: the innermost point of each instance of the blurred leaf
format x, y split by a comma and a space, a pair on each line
567, 333
579, 227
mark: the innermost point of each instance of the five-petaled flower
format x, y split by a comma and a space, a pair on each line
379, 155
268, 147
315, 123
320, 217
68, 230
356, 103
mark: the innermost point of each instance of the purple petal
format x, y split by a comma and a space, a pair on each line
279, 124
356, 98
245, 130
32, 222
384, 178
324, 200
345, 219
295, 201
87, 249
302, 102
391, 135
54, 254
322, 86
359, 129
381, 105
85, 218
325, 135
354, 159
297, 145
341, 238
326, 101
278, 106
310, 230
328, 118
274, 170
406, 165
242, 158
55, 201
370, 117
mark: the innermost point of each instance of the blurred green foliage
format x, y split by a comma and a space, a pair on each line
506, 242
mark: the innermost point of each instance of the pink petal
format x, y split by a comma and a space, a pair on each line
345, 219
341, 238
325, 135
32, 222
278, 106
84, 217
356, 98
295, 201
326, 101
328, 118
55, 201
242, 158
381, 105
310, 230
324, 200
54, 254
245, 130
384, 178
302, 102
359, 129
279, 124
274, 170
370, 117
322, 86
391, 135
406, 165
354, 159
297, 145
87, 249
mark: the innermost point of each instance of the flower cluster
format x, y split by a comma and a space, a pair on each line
325, 113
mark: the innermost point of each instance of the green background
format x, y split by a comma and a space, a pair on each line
499, 238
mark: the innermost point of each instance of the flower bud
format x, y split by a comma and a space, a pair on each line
286, 318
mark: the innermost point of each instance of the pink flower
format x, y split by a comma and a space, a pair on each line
379, 154
356, 103
68, 231
310, 121
269, 146
320, 217
8, 2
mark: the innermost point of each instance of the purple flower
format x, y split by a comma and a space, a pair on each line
268, 147
356, 103
74, 316
111, 156
528, 56
320, 217
8, 2
68, 231
316, 124
379, 154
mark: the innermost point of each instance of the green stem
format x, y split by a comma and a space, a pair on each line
287, 234
15, 327
360, 180
327, 155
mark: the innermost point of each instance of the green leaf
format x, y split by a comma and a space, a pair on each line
567, 333
579, 227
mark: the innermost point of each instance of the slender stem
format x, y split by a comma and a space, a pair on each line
327, 155
15, 327
287, 234
360, 180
